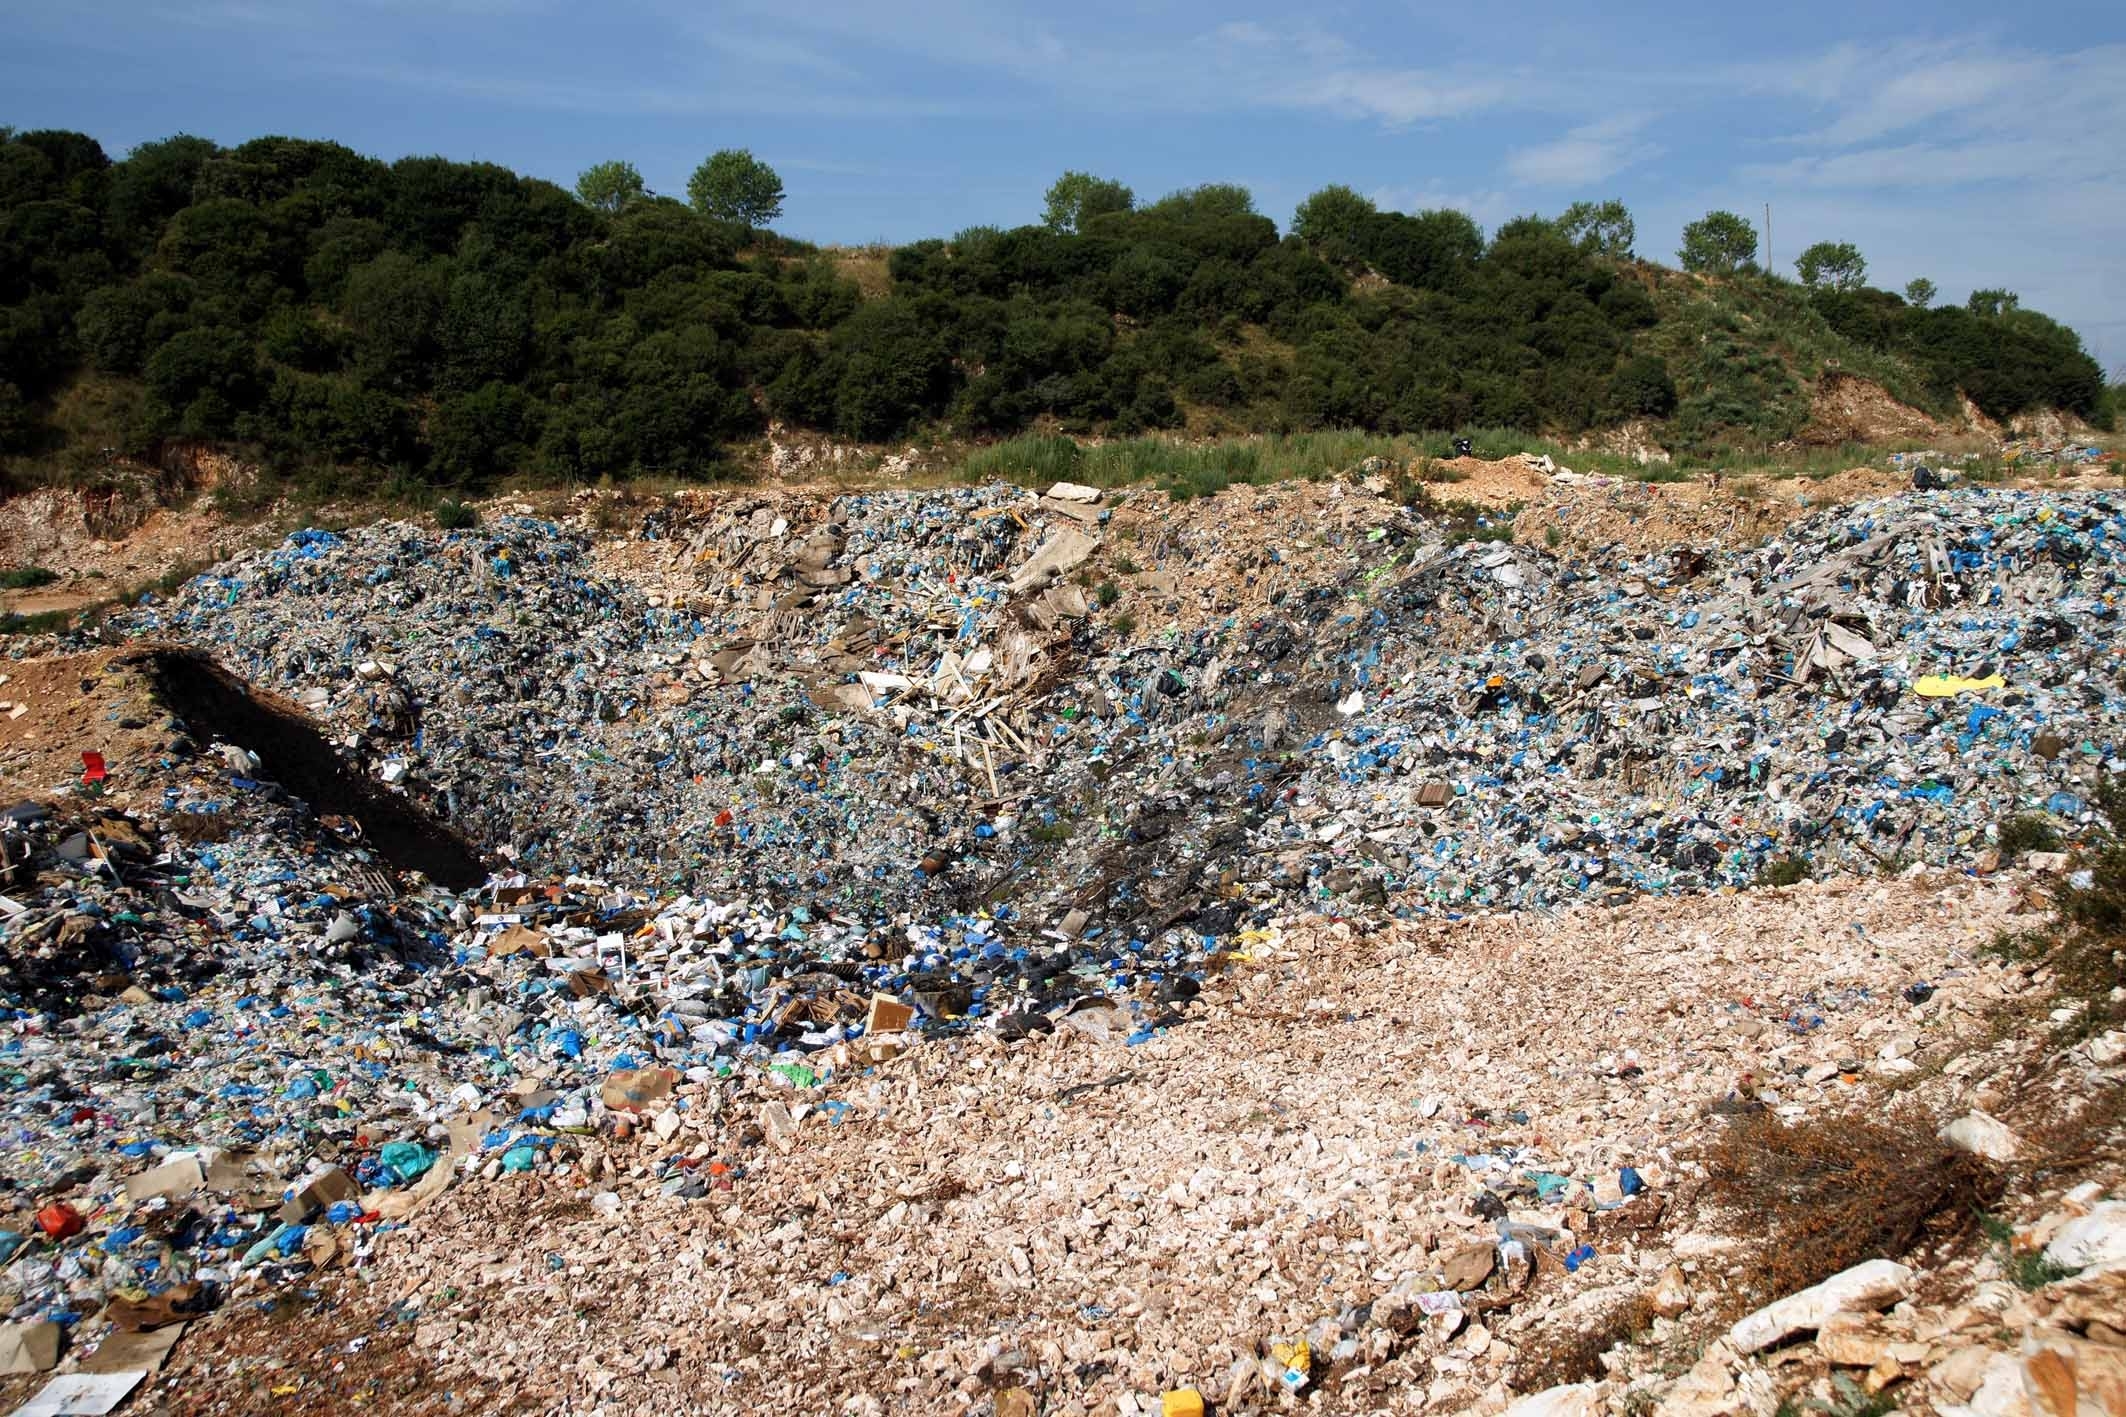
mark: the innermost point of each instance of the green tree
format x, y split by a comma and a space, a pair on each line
393, 305
1212, 199
200, 382
1335, 213
1433, 250
733, 185
481, 334
1605, 228
1833, 265
121, 325
658, 236
1718, 243
336, 248
16, 425
1919, 292
1993, 302
1077, 197
265, 170
609, 186
477, 435
433, 200
294, 336
76, 161
231, 249
458, 322
153, 184
1642, 388
25, 173
1144, 283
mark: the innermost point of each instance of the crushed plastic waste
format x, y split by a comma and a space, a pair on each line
865, 706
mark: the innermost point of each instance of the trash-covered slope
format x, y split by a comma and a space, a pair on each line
1440, 1153
896, 848
897, 702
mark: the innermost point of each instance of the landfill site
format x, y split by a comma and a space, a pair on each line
1600, 948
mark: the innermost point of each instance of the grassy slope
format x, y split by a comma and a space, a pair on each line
1745, 356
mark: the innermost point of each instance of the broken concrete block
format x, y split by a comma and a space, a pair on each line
1874, 1285
1570, 1400
1064, 550
638, 1089
2051, 1377
2092, 1240
1981, 1135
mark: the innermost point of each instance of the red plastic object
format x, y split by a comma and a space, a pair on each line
92, 767
59, 1220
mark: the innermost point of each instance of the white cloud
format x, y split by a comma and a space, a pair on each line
771, 52
1824, 78
1962, 114
1251, 65
969, 33
1229, 67
1910, 165
570, 96
1972, 83
1586, 154
1966, 160
1928, 91
1398, 97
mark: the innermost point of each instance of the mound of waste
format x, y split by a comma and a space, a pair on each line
889, 704
899, 768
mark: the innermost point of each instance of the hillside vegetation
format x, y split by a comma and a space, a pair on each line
364, 324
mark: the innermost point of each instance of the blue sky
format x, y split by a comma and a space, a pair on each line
1964, 142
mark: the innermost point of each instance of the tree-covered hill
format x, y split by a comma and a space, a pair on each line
455, 323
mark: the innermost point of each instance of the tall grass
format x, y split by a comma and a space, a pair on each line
1182, 470
1817, 463
1745, 353
1185, 469
1197, 469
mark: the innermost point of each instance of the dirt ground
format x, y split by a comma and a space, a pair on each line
1848, 409
64, 532
77, 704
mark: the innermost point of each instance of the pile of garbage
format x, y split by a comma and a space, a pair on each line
241, 1048
1426, 1159
901, 704
920, 766
1879, 686
2028, 452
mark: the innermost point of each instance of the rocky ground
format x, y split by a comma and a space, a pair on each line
1073, 1224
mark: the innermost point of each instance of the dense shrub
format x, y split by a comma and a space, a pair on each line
1837, 1191
1642, 388
455, 322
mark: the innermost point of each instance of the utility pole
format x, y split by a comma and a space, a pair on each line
1767, 238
